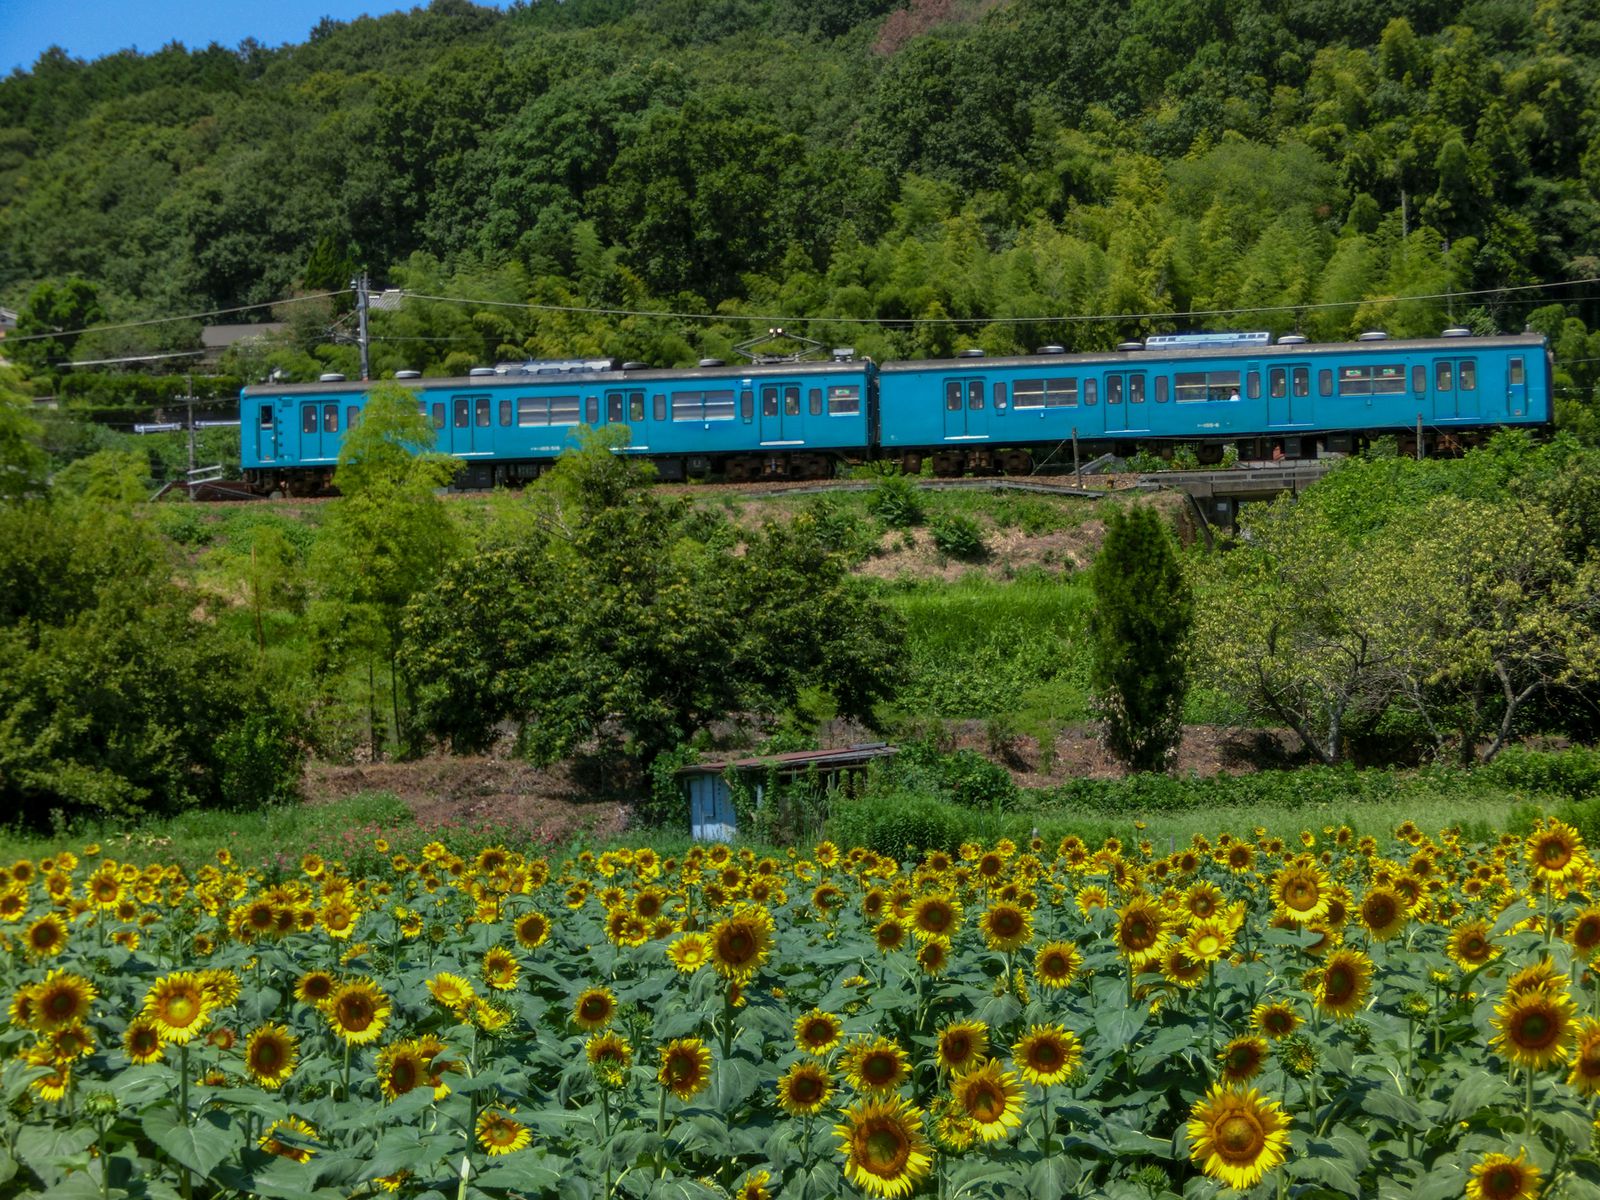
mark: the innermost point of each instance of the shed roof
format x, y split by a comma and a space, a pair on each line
849, 756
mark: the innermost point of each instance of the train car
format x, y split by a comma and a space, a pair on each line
507, 424
1294, 398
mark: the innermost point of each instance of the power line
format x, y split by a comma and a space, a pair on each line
214, 312
1086, 318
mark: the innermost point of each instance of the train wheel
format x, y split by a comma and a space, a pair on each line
1017, 462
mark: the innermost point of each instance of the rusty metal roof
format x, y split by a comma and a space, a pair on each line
849, 756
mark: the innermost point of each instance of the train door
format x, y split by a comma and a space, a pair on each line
470, 425
1516, 386
314, 446
1116, 403
1280, 401
267, 433
780, 414
963, 409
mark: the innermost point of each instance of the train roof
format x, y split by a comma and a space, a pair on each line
1132, 358
609, 379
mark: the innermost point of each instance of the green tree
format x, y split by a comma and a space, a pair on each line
1139, 631
52, 319
385, 540
23, 462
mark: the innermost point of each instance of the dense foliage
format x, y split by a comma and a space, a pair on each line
1307, 162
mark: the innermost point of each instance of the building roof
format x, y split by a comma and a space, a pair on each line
849, 756
218, 337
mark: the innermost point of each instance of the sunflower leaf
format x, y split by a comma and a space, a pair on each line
200, 1146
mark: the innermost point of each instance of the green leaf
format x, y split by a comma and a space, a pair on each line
44, 1148
200, 1146
522, 1171
1325, 1163
1051, 1178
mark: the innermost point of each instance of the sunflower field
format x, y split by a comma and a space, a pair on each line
1321, 1018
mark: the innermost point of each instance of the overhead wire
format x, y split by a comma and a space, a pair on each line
211, 312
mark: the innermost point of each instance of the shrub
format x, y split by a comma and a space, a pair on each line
259, 763
895, 502
958, 536
889, 824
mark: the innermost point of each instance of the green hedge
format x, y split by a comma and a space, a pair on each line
93, 389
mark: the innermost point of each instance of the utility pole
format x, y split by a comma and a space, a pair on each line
361, 285
188, 388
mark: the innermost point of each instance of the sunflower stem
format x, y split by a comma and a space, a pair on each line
344, 1086
183, 1083
1527, 1104
1048, 1122
661, 1132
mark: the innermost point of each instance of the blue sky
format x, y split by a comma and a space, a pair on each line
91, 28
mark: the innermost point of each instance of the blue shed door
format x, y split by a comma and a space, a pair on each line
710, 809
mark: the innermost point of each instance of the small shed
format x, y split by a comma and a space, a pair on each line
711, 815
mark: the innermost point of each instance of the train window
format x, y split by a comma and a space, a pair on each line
791, 400
747, 405
463, 412
1193, 386
844, 400
308, 419
564, 410
1419, 378
975, 394
352, 417
660, 410
330, 418
1325, 382
532, 410
719, 406
1517, 377
687, 406
614, 407
591, 410
1277, 383
1135, 389
438, 416
635, 406
814, 401
769, 402
480, 412
1468, 374
266, 416
1302, 381
1028, 393
999, 397
1161, 389
1091, 389
505, 412
1384, 380
1252, 385
1443, 377
952, 396
1113, 389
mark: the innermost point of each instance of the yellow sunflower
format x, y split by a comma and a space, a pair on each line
178, 1005
1242, 1058
685, 1069
817, 1032
1300, 893
741, 943
1346, 977
292, 1149
962, 1045
890, 935
1382, 913
357, 1011
804, 1088
1583, 932
270, 1055
1056, 964
453, 991
1140, 932
1179, 968
690, 952
401, 1067
991, 1098
1555, 852
44, 937
62, 999
1006, 928
1585, 1075
500, 968
885, 1152
1047, 1054
1497, 1177
531, 930
876, 1065
1471, 944
1237, 1136
754, 1187
1208, 940
499, 1133
936, 918
314, 987
610, 1056
1535, 1027
595, 1008
141, 1041
1275, 1018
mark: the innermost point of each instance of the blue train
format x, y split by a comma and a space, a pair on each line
804, 419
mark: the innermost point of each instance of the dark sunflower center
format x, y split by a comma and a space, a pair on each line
885, 1151
1238, 1136
1535, 1029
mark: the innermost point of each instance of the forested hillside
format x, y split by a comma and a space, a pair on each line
1304, 161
